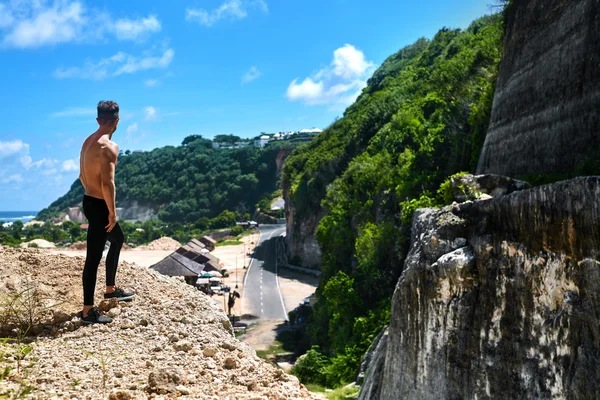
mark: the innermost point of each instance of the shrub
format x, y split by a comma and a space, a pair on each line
236, 231
309, 369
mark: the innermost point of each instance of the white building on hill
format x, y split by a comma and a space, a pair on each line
262, 141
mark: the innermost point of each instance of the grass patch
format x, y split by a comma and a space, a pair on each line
315, 388
249, 232
341, 393
229, 243
276, 348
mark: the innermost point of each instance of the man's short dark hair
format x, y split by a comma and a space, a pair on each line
108, 111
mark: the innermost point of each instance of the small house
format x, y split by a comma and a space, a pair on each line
208, 242
178, 265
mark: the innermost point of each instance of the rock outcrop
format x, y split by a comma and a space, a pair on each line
500, 299
302, 245
371, 368
546, 109
132, 210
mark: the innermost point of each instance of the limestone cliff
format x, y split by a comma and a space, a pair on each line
545, 115
134, 211
302, 246
499, 298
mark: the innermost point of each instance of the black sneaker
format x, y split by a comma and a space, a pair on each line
120, 295
94, 317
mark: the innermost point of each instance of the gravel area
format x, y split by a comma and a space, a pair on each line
169, 342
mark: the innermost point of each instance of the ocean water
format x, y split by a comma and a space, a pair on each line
12, 216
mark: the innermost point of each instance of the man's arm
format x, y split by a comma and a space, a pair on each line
109, 160
81, 175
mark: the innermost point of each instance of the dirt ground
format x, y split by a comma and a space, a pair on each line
144, 258
167, 335
261, 335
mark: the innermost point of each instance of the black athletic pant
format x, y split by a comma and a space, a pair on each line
96, 212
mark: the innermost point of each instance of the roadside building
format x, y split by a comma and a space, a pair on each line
198, 244
177, 265
208, 242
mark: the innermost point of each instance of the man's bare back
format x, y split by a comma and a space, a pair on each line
96, 153
98, 159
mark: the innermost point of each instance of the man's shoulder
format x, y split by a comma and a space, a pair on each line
110, 149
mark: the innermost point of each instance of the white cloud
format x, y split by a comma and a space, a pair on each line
151, 82
251, 75
134, 64
74, 112
26, 161
15, 147
131, 132
338, 84
70, 165
51, 171
149, 114
44, 162
133, 128
230, 9
13, 178
307, 90
135, 29
118, 64
350, 63
37, 23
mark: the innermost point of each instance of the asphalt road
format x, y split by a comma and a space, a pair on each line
262, 297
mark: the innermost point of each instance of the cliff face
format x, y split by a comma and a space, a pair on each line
546, 115
302, 246
499, 298
134, 211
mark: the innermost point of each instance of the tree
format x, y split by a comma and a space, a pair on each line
227, 138
190, 139
16, 229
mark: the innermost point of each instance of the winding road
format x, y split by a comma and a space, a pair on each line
261, 296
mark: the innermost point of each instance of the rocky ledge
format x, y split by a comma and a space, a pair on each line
499, 298
171, 341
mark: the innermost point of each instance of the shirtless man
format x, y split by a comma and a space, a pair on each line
98, 160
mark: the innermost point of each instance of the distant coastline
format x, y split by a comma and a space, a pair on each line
12, 216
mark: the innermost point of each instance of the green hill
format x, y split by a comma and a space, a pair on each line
422, 117
189, 182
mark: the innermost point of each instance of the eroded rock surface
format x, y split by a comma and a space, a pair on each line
500, 299
546, 110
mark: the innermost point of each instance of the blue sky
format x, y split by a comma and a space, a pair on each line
185, 67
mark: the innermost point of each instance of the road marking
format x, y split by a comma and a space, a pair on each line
248, 271
278, 288
252, 259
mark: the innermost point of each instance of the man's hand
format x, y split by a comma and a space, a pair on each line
112, 221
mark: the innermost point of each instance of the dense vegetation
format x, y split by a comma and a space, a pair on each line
422, 117
136, 233
191, 183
